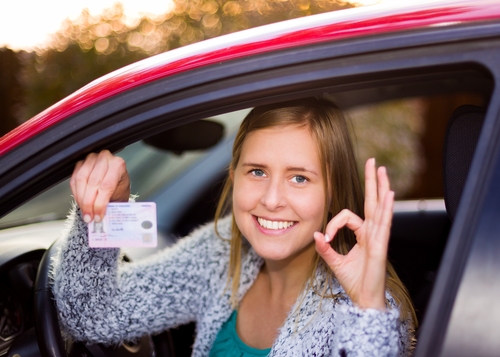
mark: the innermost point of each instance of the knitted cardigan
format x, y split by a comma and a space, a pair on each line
102, 299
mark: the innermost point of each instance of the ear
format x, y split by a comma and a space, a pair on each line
231, 175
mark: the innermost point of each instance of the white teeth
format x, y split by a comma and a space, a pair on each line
274, 224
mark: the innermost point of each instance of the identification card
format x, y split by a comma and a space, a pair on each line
126, 224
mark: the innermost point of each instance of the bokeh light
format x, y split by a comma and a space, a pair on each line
26, 24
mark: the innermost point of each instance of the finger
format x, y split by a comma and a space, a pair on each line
385, 220
115, 186
381, 228
371, 196
324, 249
344, 218
388, 211
383, 184
122, 191
80, 180
383, 188
72, 181
94, 182
377, 260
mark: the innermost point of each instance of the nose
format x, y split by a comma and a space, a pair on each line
274, 197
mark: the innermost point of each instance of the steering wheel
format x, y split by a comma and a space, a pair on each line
48, 332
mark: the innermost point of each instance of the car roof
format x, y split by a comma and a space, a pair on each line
333, 26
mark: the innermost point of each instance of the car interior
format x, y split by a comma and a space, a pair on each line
451, 105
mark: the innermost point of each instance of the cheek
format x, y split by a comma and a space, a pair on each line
244, 197
311, 208
243, 203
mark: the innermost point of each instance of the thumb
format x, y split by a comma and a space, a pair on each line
324, 249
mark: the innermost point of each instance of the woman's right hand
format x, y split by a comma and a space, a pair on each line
96, 181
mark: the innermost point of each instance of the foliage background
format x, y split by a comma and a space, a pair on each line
91, 46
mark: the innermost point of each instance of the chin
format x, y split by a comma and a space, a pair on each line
280, 253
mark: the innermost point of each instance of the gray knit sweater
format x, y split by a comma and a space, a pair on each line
101, 299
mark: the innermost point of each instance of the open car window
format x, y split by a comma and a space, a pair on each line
402, 134
150, 168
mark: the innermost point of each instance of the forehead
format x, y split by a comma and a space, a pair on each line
288, 143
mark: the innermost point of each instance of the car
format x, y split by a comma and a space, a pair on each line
420, 79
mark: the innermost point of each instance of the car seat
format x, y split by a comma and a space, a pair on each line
462, 135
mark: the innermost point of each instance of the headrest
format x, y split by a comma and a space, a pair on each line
462, 135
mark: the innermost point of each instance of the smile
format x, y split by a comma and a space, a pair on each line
274, 224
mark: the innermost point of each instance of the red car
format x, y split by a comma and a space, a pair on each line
419, 83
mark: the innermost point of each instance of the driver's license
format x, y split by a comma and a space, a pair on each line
126, 224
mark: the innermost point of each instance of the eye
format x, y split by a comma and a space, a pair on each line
299, 179
258, 173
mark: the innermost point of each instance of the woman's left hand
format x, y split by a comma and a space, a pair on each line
362, 272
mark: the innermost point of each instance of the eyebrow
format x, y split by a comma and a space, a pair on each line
288, 168
301, 169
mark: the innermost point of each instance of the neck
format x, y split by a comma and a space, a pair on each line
286, 278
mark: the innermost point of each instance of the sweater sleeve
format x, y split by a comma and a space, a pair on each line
102, 299
372, 332
368, 333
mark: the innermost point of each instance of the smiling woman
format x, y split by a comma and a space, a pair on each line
292, 185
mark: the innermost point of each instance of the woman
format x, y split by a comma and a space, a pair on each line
294, 270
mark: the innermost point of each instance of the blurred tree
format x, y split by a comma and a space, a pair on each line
391, 132
11, 90
91, 46
428, 182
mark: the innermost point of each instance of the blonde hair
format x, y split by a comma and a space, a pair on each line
329, 129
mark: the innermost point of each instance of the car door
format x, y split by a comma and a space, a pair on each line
353, 71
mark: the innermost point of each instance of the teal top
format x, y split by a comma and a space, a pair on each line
228, 343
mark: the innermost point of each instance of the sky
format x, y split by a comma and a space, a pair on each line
27, 23
24, 24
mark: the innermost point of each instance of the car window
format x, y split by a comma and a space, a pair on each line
150, 169
402, 134
406, 136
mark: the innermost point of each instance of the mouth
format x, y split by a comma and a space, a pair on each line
274, 225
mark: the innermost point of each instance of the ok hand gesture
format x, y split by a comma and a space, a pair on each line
362, 272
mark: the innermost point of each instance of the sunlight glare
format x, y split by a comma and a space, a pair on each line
27, 24
24, 24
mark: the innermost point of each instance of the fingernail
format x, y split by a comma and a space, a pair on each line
327, 238
86, 218
97, 218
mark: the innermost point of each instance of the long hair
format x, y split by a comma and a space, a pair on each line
342, 185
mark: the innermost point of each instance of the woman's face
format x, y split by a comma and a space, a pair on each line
278, 192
